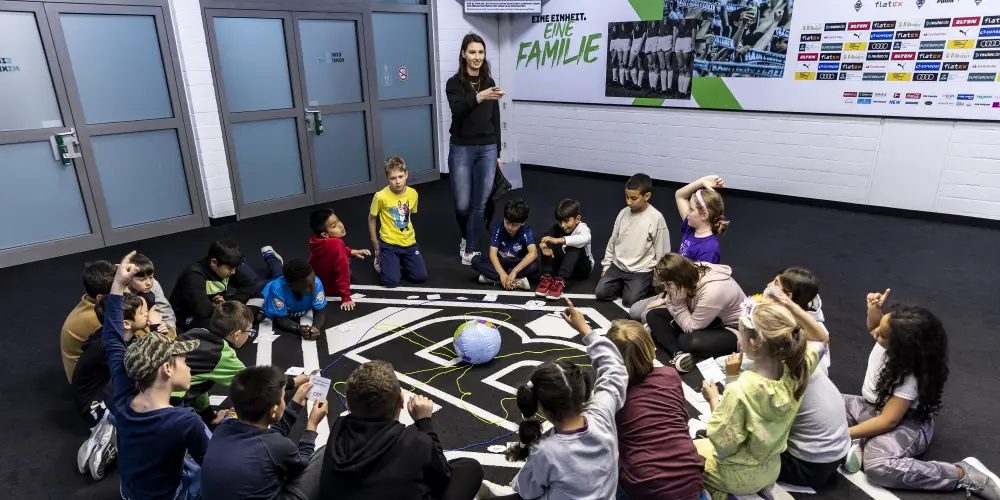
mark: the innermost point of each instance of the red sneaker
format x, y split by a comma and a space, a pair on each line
556, 289
543, 286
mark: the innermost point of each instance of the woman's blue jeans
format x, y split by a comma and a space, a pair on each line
471, 170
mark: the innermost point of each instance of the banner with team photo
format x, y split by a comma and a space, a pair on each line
907, 58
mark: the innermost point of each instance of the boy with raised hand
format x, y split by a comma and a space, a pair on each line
638, 241
153, 436
222, 275
291, 296
215, 360
82, 321
565, 250
397, 254
513, 254
372, 456
328, 255
252, 458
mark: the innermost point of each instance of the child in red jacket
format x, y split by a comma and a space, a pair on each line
329, 255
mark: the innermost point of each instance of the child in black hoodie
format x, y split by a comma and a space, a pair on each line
372, 456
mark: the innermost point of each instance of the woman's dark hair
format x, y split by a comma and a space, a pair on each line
679, 270
801, 285
567, 209
255, 390
132, 305
226, 253
516, 212
562, 388
918, 346
463, 69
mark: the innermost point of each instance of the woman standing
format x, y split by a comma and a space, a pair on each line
474, 151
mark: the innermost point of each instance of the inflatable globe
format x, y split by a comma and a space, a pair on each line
477, 341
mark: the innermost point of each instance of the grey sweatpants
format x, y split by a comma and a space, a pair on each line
305, 486
889, 459
631, 287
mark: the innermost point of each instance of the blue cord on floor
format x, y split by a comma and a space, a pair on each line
344, 404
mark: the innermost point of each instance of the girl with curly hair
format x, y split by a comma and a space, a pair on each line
893, 419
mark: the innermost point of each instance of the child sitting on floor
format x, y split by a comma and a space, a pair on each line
565, 250
252, 457
893, 418
397, 254
372, 456
657, 460
579, 459
91, 390
291, 296
152, 436
513, 254
638, 241
748, 429
215, 360
328, 255
145, 285
82, 321
702, 217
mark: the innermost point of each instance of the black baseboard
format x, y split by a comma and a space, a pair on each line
222, 221
839, 205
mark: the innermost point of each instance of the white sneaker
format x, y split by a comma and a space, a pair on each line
483, 280
269, 250
461, 248
467, 258
522, 283
490, 490
104, 450
86, 449
683, 362
979, 480
854, 459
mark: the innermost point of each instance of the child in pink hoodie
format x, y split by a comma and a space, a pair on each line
328, 255
697, 309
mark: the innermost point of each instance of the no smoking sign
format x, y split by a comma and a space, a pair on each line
402, 73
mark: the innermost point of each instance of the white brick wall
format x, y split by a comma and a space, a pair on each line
189, 31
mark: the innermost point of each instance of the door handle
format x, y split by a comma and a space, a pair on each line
65, 147
314, 121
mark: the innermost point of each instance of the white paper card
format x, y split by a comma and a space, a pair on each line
217, 400
434, 296
320, 388
711, 371
295, 370
695, 425
412, 297
491, 297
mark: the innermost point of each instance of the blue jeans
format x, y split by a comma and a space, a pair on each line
471, 170
400, 262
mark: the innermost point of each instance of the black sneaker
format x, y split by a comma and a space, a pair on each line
979, 480
682, 362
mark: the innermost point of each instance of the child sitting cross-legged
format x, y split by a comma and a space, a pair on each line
565, 248
657, 460
893, 419
372, 456
82, 321
513, 254
152, 436
748, 429
251, 457
579, 459
145, 285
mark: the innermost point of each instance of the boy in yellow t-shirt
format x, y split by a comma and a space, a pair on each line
397, 254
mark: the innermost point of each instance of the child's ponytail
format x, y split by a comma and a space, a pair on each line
796, 361
710, 204
781, 338
562, 389
530, 430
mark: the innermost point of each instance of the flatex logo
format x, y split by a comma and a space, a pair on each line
883, 4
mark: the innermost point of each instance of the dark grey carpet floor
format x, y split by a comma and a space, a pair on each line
951, 269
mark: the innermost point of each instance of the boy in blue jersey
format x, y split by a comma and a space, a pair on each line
293, 295
152, 435
513, 254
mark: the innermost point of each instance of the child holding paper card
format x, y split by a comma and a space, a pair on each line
252, 457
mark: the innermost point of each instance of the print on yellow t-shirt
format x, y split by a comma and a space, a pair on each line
393, 211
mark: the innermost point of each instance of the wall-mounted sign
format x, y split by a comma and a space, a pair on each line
503, 6
402, 73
